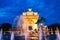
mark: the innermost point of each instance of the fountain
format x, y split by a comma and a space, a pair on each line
12, 35
26, 26
40, 32
19, 25
57, 34
1, 34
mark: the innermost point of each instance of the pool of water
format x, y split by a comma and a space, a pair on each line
7, 36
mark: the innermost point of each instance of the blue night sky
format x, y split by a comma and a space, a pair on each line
50, 9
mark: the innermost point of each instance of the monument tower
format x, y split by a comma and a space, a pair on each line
29, 27
30, 18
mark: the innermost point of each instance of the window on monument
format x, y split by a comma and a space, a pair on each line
30, 28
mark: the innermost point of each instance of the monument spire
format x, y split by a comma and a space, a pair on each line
29, 9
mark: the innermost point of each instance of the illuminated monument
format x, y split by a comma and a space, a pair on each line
30, 19
27, 25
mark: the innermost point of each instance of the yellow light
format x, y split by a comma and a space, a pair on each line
35, 26
35, 13
24, 13
30, 9
45, 26
41, 24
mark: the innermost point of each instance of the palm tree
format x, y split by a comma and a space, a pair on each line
41, 20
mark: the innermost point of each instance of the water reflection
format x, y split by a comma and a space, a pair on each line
11, 36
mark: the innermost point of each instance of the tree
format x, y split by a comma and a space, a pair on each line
54, 26
41, 20
6, 26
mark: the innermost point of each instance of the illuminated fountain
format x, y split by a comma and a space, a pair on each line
58, 34
40, 32
1, 34
20, 25
27, 26
12, 35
